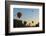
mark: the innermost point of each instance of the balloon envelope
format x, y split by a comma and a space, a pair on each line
32, 21
19, 14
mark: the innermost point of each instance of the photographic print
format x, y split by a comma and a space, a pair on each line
24, 18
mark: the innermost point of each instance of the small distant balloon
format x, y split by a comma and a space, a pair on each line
19, 14
32, 21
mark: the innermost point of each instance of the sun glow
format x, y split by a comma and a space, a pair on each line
29, 22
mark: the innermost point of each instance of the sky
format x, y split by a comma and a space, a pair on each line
28, 14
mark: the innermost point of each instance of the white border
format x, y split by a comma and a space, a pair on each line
28, 28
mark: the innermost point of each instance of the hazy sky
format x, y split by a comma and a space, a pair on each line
29, 14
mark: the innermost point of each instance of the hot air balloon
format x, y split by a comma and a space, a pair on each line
32, 21
19, 14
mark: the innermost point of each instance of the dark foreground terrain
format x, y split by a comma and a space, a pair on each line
18, 23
